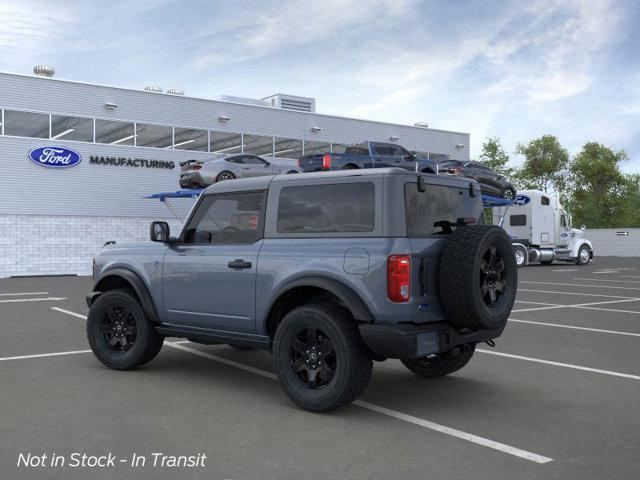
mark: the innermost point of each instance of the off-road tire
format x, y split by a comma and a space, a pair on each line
441, 364
460, 278
148, 341
353, 363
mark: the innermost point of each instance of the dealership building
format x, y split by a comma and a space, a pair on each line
127, 144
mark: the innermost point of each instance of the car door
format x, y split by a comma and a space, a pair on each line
254, 166
382, 156
209, 275
403, 158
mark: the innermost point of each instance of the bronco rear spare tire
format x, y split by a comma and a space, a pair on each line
477, 277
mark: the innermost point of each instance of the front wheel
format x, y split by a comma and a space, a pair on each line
433, 366
584, 255
119, 333
320, 358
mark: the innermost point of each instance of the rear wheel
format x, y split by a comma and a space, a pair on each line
521, 254
225, 175
119, 334
320, 358
433, 366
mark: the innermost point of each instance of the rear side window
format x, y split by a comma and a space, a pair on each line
357, 150
231, 218
345, 207
436, 210
517, 220
544, 200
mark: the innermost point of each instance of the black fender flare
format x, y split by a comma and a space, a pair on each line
136, 283
346, 295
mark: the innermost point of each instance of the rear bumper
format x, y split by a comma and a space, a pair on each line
414, 341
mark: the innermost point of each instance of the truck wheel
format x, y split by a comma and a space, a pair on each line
478, 277
119, 334
441, 364
583, 255
320, 358
521, 254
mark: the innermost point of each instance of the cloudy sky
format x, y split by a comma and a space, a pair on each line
515, 70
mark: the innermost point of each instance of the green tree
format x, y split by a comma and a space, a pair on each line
495, 157
599, 192
631, 201
545, 165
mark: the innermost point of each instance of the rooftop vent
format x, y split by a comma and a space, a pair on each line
44, 71
422, 124
292, 102
244, 100
153, 88
175, 91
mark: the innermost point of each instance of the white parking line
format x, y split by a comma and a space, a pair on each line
598, 330
575, 293
560, 364
539, 303
609, 310
566, 270
628, 276
485, 442
369, 406
578, 285
42, 355
47, 299
579, 305
604, 280
23, 293
62, 310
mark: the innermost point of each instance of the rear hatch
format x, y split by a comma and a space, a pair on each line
431, 216
189, 173
191, 165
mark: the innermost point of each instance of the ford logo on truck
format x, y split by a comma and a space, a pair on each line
56, 157
521, 200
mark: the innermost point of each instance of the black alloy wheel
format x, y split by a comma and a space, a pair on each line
118, 327
492, 277
313, 357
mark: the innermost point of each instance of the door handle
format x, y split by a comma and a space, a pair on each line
239, 264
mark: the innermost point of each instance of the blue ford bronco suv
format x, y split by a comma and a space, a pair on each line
329, 271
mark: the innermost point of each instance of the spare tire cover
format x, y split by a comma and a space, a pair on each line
477, 277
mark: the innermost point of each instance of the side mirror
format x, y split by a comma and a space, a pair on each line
583, 227
159, 232
267, 164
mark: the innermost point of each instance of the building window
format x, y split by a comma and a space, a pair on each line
26, 124
312, 147
258, 145
157, 136
345, 207
72, 128
338, 147
114, 133
225, 142
190, 139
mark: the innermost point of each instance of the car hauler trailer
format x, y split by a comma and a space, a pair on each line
541, 230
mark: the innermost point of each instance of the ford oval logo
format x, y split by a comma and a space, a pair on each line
56, 157
521, 200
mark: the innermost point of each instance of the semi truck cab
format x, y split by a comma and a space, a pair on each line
541, 230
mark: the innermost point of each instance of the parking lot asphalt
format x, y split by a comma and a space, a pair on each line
557, 398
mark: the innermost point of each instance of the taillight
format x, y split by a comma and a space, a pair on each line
196, 167
455, 170
298, 162
399, 278
326, 161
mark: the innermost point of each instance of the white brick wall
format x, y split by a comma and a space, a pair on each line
52, 245
610, 242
